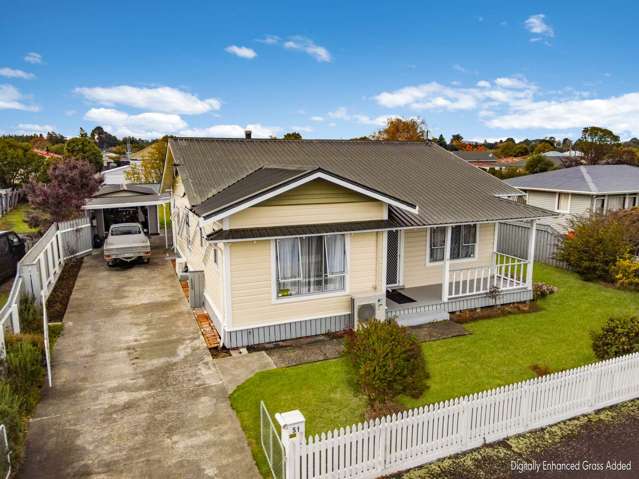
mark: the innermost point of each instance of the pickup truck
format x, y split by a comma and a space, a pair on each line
126, 243
12, 249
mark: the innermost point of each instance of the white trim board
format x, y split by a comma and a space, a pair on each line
315, 176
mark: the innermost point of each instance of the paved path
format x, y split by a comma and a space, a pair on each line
135, 392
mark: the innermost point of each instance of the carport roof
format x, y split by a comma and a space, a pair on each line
126, 201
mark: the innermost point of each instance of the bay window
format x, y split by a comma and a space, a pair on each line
463, 242
310, 265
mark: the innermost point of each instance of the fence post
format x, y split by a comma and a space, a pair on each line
594, 387
15, 316
464, 429
293, 424
525, 407
45, 327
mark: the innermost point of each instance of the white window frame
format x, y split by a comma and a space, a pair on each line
594, 204
557, 196
310, 296
474, 257
629, 199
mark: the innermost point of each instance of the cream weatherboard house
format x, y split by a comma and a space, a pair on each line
296, 238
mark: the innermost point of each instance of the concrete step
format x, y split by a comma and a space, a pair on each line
415, 319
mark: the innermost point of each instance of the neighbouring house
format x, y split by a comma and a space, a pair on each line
294, 238
580, 190
116, 175
484, 160
126, 203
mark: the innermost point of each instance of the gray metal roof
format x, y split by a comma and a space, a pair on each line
145, 189
590, 179
125, 201
446, 189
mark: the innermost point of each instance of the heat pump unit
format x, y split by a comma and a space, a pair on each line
367, 308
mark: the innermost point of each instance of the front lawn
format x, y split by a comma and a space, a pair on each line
16, 220
499, 351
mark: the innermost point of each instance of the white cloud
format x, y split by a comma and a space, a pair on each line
33, 58
619, 113
12, 99
14, 73
242, 52
232, 131
435, 96
342, 113
162, 99
317, 119
269, 39
308, 46
32, 128
143, 125
537, 24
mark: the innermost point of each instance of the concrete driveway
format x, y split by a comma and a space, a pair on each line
136, 393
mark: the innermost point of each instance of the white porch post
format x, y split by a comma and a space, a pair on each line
166, 237
446, 266
531, 253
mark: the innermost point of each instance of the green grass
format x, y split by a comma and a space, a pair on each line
499, 351
3, 298
16, 220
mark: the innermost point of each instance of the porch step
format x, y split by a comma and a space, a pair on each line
415, 319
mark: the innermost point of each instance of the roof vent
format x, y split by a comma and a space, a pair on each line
247, 134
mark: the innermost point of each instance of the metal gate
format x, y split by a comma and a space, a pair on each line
271, 444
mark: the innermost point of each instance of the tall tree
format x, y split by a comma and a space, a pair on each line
596, 143
293, 135
456, 139
84, 149
103, 138
18, 163
538, 163
71, 182
398, 129
152, 165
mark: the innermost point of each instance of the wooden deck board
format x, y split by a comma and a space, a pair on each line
209, 333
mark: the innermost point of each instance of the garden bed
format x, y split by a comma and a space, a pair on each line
59, 298
497, 352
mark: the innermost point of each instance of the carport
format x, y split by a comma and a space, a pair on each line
124, 204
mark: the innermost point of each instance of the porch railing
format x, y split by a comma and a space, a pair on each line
504, 273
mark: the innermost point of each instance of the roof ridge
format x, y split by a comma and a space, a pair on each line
304, 140
588, 179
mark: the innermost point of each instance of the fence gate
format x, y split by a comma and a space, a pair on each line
271, 444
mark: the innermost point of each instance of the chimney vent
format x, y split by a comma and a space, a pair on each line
247, 134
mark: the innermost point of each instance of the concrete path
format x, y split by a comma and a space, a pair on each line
135, 392
234, 370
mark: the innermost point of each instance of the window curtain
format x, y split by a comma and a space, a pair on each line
288, 265
335, 261
455, 242
437, 244
469, 240
312, 255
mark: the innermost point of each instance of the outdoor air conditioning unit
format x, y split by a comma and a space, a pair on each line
180, 265
367, 308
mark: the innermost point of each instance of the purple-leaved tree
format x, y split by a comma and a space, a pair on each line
71, 182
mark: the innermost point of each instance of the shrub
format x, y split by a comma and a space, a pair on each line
626, 273
541, 290
30, 314
387, 362
11, 415
25, 371
619, 336
594, 246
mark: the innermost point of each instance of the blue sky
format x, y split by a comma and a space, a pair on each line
327, 69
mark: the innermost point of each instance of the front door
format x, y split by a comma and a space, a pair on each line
393, 258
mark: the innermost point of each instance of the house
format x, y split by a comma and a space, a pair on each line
126, 203
295, 238
481, 159
115, 176
580, 190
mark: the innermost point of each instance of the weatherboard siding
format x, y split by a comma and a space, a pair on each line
317, 191
418, 273
252, 288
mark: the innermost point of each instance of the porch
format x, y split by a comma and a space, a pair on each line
505, 280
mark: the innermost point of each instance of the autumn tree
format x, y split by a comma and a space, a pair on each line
543, 147
151, 167
83, 148
399, 129
596, 143
71, 182
623, 156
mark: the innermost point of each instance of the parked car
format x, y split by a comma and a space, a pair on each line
125, 243
12, 249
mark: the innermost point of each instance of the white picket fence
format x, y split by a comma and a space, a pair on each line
415, 437
8, 200
40, 267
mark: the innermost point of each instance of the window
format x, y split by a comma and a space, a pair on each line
563, 202
187, 229
463, 242
600, 205
632, 201
616, 202
201, 237
310, 265
215, 255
